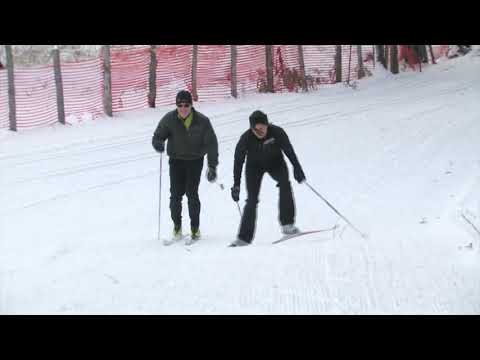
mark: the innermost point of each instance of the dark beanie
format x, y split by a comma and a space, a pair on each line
183, 96
258, 117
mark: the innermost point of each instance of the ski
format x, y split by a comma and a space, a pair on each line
187, 238
287, 237
168, 242
189, 241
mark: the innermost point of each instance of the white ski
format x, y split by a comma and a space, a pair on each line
287, 237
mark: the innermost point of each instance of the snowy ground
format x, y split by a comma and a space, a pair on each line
399, 157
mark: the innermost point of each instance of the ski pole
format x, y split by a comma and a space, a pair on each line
159, 197
240, 211
331, 206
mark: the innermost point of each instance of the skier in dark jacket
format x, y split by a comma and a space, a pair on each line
262, 145
190, 136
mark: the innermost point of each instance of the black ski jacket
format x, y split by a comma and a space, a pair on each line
263, 153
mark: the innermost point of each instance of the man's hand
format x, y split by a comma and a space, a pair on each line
299, 175
211, 174
235, 193
159, 146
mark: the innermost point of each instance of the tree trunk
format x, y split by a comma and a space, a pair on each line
394, 59
349, 64
423, 53
233, 70
381, 55
269, 65
373, 54
338, 63
361, 71
107, 81
194, 72
301, 61
58, 85
387, 55
12, 115
420, 53
152, 80
431, 54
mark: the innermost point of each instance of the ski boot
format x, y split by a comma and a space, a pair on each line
176, 236
239, 242
195, 236
290, 229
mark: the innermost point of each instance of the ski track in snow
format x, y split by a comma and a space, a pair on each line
79, 221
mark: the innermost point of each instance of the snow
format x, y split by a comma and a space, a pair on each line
398, 157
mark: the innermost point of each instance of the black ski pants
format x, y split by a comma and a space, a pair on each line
184, 179
254, 176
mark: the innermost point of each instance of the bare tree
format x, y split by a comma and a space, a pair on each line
394, 59
381, 58
152, 80
431, 54
386, 54
269, 65
107, 81
194, 72
11, 89
361, 71
233, 70
58, 84
302, 68
422, 50
338, 63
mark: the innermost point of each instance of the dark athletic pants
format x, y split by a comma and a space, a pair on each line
254, 177
185, 179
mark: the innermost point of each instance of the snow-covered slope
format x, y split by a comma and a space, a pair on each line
399, 157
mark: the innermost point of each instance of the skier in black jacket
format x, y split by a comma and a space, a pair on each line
262, 145
190, 136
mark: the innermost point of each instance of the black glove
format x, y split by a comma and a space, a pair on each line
236, 193
298, 174
159, 146
211, 174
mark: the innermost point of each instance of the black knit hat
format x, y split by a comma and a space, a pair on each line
258, 117
183, 96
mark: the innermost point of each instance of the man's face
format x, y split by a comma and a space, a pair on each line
260, 130
184, 109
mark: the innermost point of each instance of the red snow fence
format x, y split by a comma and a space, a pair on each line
210, 72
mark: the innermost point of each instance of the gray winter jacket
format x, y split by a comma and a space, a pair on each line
191, 144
